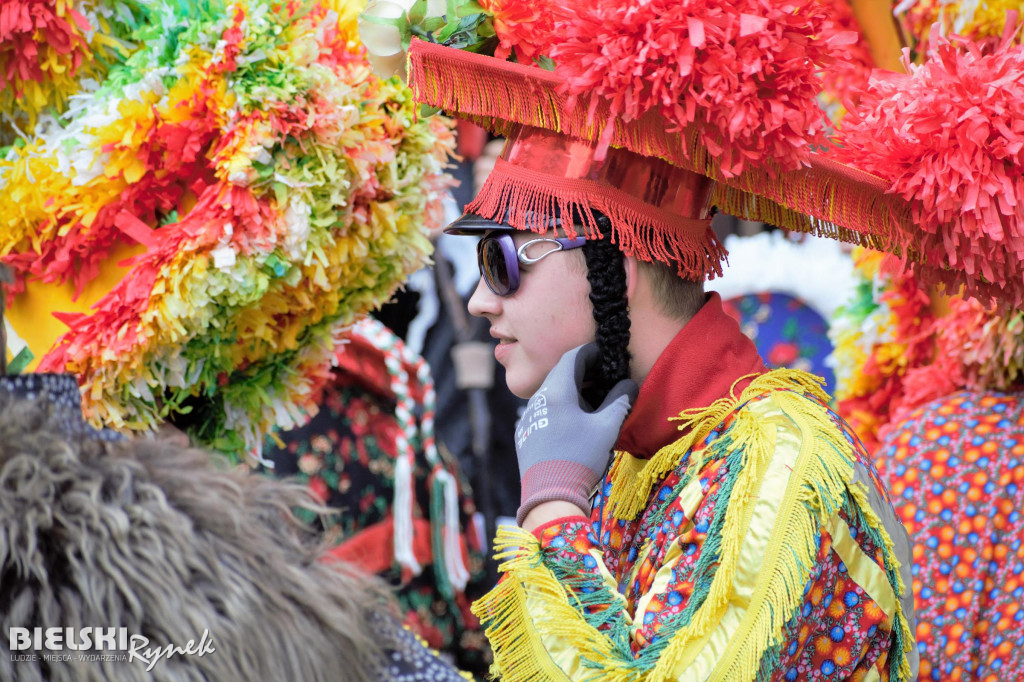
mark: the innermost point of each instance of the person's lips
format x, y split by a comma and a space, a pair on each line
504, 346
501, 336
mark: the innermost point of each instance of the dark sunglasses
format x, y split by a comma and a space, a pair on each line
499, 259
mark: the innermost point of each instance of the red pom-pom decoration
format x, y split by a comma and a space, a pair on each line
950, 138
744, 73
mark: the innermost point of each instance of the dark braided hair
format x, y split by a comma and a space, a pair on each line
607, 277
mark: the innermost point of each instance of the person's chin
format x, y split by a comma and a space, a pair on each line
517, 388
525, 395
520, 386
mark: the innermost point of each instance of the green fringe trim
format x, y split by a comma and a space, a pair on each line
745, 468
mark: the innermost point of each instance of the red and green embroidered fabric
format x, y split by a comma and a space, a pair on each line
347, 454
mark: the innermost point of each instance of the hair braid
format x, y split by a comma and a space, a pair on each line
607, 277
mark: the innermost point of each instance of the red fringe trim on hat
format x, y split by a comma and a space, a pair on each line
518, 196
502, 95
828, 199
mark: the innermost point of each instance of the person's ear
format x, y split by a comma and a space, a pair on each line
632, 267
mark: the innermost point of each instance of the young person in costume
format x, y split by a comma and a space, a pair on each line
686, 549
740, 532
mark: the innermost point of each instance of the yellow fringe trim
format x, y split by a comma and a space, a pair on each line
816, 490
756, 439
632, 479
519, 650
821, 477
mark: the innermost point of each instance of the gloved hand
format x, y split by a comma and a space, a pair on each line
562, 443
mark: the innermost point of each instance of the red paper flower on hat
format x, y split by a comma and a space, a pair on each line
744, 72
950, 138
523, 27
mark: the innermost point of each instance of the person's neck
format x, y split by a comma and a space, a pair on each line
650, 333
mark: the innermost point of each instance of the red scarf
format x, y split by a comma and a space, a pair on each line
698, 367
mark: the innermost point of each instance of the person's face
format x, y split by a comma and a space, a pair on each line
549, 314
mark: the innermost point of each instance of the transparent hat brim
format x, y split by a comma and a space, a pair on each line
473, 224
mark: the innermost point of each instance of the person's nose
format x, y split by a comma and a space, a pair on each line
484, 302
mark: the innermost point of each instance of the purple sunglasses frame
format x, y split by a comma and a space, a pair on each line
513, 256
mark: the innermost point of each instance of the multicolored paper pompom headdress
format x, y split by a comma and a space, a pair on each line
193, 233
648, 101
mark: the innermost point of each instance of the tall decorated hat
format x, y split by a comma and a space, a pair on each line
196, 215
654, 112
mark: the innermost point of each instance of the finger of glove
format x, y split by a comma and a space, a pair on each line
627, 388
611, 415
584, 358
550, 426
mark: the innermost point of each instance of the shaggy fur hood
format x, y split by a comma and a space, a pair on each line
157, 539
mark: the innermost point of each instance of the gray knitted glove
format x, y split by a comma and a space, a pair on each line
562, 443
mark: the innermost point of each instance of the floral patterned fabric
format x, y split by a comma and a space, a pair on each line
954, 468
347, 456
786, 331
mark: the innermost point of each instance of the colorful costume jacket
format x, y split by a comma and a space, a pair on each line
748, 538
